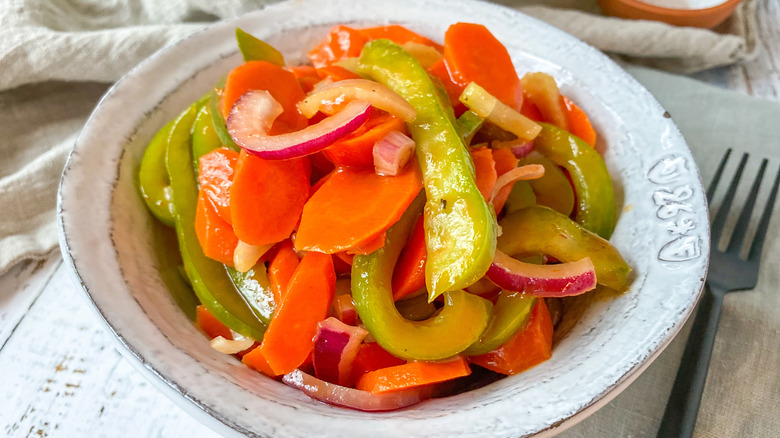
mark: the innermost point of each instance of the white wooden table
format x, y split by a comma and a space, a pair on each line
60, 375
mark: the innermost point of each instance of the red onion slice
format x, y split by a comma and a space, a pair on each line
520, 148
344, 309
358, 89
254, 112
522, 173
392, 152
355, 398
335, 346
562, 280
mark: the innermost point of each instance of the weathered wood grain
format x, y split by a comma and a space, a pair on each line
61, 376
19, 288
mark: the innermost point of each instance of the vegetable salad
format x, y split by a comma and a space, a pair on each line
396, 221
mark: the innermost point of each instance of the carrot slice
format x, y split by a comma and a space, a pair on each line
526, 348
505, 161
397, 34
354, 206
484, 170
413, 374
372, 357
211, 325
357, 148
281, 269
440, 71
289, 338
372, 245
267, 198
336, 73
473, 54
216, 176
409, 272
579, 124
306, 75
341, 42
281, 83
255, 360
215, 235
346, 258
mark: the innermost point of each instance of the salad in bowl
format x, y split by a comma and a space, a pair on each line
374, 226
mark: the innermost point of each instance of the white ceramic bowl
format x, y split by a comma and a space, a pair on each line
607, 341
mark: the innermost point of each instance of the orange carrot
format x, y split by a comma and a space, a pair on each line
255, 360
473, 54
211, 325
413, 374
341, 42
354, 206
316, 186
397, 34
216, 176
320, 166
281, 269
372, 357
579, 124
484, 170
336, 73
267, 198
289, 338
530, 110
440, 71
526, 348
505, 161
409, 272
281, 83
306, 75
215, 235
372, 245
357, 148
344, 257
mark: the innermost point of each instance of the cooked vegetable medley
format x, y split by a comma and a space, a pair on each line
377, 226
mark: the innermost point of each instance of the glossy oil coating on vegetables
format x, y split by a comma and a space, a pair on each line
373, 227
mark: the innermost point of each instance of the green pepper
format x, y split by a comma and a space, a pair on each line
521, 196
204, 136
256, 289
460, 227
209, 278
253, 49
153, 177
468, 125
169, 260
553, 189
457, 325
510, 314
540, 230
595, 197
219, 123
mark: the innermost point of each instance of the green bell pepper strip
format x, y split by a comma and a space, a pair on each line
253, 49
153, 177
460, 227
521, 196
595, 208
468, 125
209, 279
219, 123
540, 230
256, 290
510, 314
169, 260
204, 136
457, 325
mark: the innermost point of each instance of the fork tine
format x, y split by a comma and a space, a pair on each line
740, 230
723, 211
758, 240
718, 173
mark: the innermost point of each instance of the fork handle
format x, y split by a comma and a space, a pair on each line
680, 415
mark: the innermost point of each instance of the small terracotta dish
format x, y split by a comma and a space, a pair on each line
690, 13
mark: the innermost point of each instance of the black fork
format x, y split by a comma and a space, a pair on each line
728, 272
